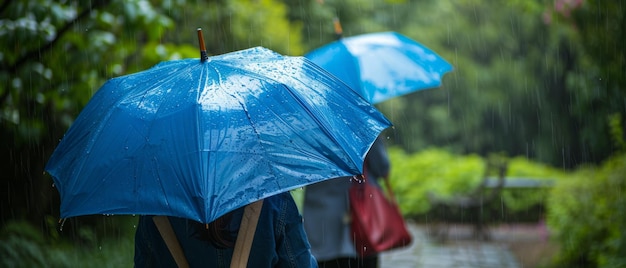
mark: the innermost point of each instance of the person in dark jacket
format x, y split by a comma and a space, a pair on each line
280, 240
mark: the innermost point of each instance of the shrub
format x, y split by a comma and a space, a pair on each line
21, 245
587, 214
108, 243
434, 170
445, 174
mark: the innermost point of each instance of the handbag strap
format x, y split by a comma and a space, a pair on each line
390, 194
246, 234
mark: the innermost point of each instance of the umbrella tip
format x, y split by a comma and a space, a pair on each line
203, 55
338, 29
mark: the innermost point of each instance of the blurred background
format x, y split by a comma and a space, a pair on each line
539, 85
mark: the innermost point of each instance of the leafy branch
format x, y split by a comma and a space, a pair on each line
45, 47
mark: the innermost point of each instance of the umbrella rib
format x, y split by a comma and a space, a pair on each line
211, 202
325, 129
300, 100
155, 160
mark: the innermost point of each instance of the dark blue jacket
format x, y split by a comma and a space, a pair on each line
279, 240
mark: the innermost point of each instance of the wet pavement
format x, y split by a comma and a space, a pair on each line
459, 250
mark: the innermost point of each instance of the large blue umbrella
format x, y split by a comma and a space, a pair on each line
382, 65
197, 139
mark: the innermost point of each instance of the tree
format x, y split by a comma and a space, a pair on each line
238, 24
513, 89
55, 56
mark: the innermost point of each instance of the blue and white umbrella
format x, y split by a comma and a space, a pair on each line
381, 65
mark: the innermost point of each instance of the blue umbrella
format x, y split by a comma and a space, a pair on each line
198, 138
383, 65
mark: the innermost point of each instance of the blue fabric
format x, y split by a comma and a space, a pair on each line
380, 66
279, 240
196, 139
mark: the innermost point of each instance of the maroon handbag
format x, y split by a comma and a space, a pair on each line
377, 224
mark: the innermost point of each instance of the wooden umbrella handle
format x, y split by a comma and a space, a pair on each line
246, 234
165, 228
243, 244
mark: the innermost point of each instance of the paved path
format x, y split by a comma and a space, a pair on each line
424, 252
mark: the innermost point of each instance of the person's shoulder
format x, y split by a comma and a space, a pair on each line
280, 202
279, 198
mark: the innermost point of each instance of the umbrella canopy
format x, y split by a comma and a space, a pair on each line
197, 139
382, 65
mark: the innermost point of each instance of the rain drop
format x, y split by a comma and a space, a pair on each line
62, 222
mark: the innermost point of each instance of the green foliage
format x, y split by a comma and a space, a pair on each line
356, 17
109, 244
433, 170
298, 197
587, 213
234, 25
263, 23
445, 174
599, 25
524, 167
521, 167
617, 131
54, 56
520, 84
21, 245
315, 18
